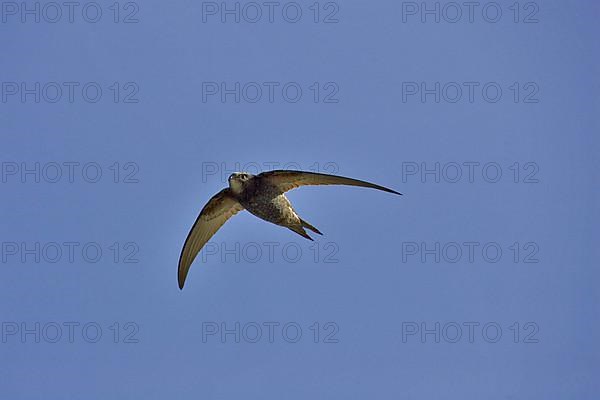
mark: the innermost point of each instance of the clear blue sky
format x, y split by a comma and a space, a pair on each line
433, 110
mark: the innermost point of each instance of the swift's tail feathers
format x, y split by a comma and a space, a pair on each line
300, 231
309, 226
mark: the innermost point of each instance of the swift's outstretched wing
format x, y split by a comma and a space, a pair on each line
215, 213
287, 180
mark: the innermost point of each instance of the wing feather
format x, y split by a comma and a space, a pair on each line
288, 179
215, 213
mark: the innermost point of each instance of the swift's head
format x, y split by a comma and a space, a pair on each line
238, 181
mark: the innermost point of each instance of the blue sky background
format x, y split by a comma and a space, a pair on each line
375, 289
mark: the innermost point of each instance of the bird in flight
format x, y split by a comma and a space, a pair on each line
262, 195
